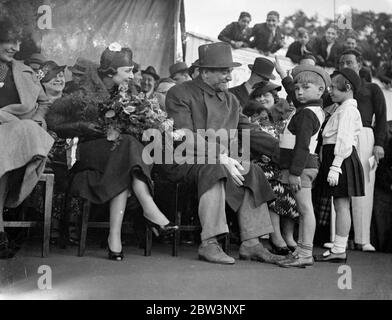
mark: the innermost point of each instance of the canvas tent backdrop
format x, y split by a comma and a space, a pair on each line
84, 28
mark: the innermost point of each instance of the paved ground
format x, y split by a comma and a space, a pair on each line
184, 278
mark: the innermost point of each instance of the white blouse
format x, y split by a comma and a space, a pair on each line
342, 129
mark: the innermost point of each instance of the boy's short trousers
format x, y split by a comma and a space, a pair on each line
307, 177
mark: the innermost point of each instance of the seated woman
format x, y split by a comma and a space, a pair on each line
103, 174
24, 143
53, 81
271, 114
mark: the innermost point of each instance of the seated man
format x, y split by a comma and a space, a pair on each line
202, 104
301, 47
79, 70
268, 37
327, 49
237, 34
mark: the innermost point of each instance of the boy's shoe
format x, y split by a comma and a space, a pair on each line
328, 245
331, 257
367, 248
295, 261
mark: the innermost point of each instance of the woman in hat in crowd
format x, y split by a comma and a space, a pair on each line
101, 174
52, 80
283, 210
24, 143
149, 82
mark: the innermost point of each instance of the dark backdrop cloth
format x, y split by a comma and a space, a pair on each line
84, 28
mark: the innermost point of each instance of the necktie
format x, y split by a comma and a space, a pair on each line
270, 39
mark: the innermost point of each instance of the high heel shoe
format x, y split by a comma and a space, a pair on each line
161, 230
280, 251
116, 256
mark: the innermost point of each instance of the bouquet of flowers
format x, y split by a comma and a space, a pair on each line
133, 114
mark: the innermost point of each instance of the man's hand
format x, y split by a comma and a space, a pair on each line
236, 44
378, 153
279, 68
234, 168
295, 183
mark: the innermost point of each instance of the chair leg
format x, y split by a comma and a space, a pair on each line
226, 244
65, 220
148, 242
49, 185
177, 233
84, 227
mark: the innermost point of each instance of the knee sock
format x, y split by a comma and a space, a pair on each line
296, 251
305, 250
339, 245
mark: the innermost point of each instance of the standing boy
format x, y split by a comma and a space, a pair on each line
298, 159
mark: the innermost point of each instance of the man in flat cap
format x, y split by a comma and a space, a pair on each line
203, 104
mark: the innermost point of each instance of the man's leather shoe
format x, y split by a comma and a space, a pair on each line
259, 253
213, 253
295, 261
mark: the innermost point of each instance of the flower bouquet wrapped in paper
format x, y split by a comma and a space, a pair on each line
134, 114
